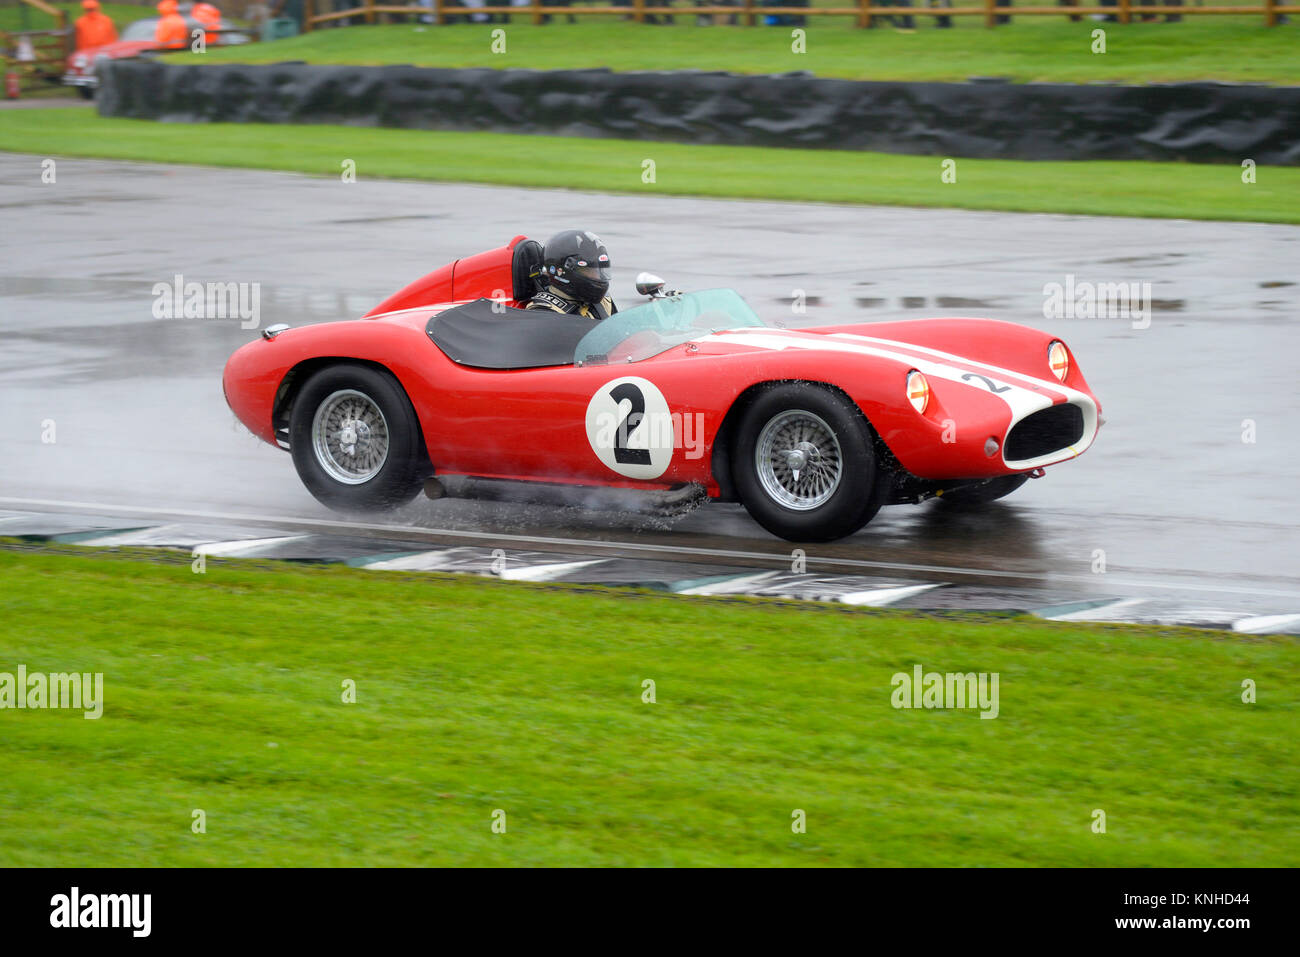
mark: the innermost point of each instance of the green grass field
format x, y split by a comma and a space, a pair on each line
223, 693
1030, 49
1180, 190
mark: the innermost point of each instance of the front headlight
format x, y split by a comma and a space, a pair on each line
918, 391
80, 61
1058, 359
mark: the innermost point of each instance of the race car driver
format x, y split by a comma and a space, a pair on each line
575, 267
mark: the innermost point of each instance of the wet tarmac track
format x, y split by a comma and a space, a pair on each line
1189, 490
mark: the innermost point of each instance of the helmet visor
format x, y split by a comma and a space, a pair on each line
596, 272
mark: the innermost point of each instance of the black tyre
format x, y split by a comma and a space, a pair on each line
356, 439
985, 492
803, 464
86, 92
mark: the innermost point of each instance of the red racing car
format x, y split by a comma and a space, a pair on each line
813, 430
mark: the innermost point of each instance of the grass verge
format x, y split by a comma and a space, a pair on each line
1031, 49
1178, 190
222, 692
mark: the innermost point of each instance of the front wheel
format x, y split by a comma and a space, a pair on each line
86, 92
804, 465
356, 440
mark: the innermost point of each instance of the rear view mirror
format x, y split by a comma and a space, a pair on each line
648, 284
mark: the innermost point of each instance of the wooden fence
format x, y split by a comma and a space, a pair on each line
749, 11
49, 48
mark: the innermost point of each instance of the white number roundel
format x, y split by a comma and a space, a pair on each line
630, 428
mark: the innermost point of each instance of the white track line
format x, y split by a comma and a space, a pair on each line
245, 548
681, 552
1268, 624
883, 597
1089, 614
545, 573
739, 584
431, 560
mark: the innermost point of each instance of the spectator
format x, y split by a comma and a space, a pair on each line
941, 21
93, 27
1074, 17
477, 17
900, 23
210, 17
340, 5
172, 30
546, 18
651, 18
257, 13
782, 20
706, 19
447, 18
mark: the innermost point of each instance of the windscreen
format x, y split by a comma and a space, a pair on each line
660, 324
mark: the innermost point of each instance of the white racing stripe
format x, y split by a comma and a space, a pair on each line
1010, 386
1020, 400
1010, 375
1085, 403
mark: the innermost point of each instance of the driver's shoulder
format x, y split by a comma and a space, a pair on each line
548, 300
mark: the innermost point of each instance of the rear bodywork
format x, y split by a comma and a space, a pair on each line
995, 407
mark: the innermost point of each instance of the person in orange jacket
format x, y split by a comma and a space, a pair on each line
94, 28
172, 30
210, 17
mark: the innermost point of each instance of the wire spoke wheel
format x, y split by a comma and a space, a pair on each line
798, 460
350, 437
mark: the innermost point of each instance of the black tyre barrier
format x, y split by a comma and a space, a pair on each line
1200, 122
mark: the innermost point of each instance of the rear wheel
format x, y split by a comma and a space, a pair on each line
984, 492
356, 440
804, 465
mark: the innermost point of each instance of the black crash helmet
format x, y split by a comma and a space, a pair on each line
578, 260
